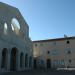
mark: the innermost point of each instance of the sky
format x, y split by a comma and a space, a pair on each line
47, 19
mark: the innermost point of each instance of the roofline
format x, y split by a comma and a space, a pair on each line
56, 39
6, 4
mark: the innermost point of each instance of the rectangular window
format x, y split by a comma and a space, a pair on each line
62, 62
68, 51
55, 52
55, 62
58, 62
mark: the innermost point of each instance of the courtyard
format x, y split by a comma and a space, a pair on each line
40, 72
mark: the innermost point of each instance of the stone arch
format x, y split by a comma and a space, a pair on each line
30, 61
13, 59
21, 59
4, 58
26, 60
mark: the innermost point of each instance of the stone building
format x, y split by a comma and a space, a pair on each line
16, 52
54, 53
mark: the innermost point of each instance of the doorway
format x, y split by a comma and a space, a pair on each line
48, 63
35, 63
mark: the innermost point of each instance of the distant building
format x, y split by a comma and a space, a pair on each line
16, 52
54, 53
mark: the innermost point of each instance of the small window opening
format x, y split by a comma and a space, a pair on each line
48, 52
5, 28
69, 52
35, 44
68, 42
69, 60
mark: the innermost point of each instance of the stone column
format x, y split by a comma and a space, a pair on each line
32, 62
9, 27
18, 61
28, 62
23, 62
8, 59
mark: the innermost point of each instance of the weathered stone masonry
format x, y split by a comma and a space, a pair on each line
16, 50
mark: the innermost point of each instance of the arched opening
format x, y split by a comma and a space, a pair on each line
15, 25
48, 63
21, 60
13, 59
4, 58
30, 61
5, 28
26, 60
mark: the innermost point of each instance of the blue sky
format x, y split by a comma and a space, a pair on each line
47, 19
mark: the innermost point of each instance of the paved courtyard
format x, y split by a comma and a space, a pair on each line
40, 72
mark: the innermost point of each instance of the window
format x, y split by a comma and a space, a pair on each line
69, 60
55, 52
62, 62
41, 44
69, 52
15, 25
35, 44
59, 62
48, 52
12, 27
68, 42
5, 28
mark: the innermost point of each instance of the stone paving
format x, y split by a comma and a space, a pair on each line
40, 72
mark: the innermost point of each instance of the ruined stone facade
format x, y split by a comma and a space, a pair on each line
16, 52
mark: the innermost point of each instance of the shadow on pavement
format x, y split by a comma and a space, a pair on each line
40, 72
